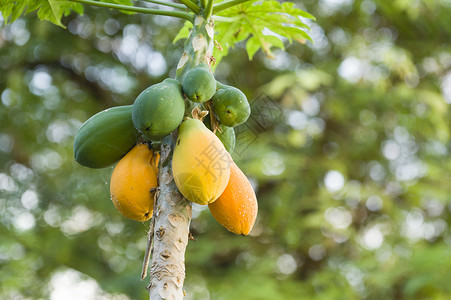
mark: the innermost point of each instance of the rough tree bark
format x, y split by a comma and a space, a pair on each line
172, 213
172, 217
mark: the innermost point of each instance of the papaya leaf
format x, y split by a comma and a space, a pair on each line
265, 25
50, 10
12, 9
183, 33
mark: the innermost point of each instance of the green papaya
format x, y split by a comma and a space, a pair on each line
199, 85
231, 106
200, 164
105, 137
225, 134
159, 109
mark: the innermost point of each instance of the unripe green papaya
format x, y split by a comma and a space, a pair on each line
200, 164
105, 137
231, 106
225, 134
159, 109
199, 85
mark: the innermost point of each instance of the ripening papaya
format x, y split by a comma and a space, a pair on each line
132, 181
105, 137
231, 106
200, 164
236, 209
159, 109
199, 85
225, 134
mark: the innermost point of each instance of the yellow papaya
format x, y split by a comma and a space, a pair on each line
201, 164
236, 208
131, 182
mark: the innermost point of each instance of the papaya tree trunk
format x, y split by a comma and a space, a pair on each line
172, 213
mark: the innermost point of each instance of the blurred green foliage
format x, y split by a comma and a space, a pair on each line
348, 147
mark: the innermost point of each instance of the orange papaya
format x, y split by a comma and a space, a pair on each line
132, 181
236, 209
200, 164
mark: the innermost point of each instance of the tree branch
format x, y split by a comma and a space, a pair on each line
191, 5
208, 9
165, 3
226, 4
177, 14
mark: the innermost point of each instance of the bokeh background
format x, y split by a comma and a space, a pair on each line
347, 147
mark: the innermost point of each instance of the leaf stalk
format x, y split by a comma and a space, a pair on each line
191, 5
165, 3
177, 14
208, 9
226, 4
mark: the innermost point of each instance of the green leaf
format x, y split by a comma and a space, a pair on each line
50, 10
227, 37
184, 32
12, 10
265, 24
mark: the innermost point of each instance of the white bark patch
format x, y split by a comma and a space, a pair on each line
179, 245
173, 199
178, 282
173, 268
174, 220
198, 20
199, 42
167, 178
182, 60
165, 292
210, 31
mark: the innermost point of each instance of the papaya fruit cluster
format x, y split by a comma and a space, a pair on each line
203, 169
